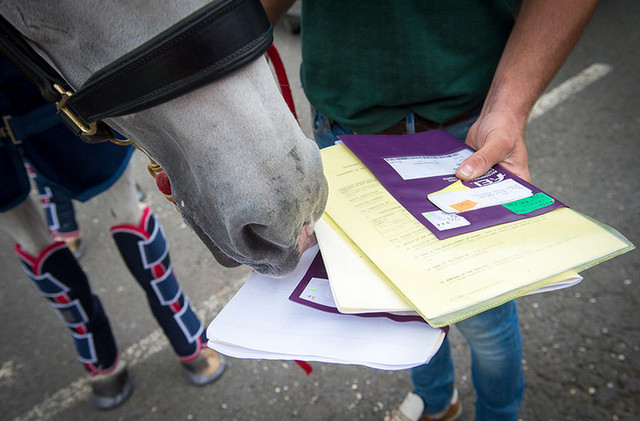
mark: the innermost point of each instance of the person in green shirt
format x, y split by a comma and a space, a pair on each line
473, 68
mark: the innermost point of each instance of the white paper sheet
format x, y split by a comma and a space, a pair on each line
261, 322
575, 279
356, 286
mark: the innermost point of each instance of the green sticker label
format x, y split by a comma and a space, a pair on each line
529, 204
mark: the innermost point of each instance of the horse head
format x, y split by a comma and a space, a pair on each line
244, 177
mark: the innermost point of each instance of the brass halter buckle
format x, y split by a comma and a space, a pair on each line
7, 131
91, 130
61, 105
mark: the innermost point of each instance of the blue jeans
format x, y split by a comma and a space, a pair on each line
493, 336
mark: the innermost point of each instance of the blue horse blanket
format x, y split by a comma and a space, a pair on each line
61, 159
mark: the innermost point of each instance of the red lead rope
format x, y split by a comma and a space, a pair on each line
285, 89
281, 74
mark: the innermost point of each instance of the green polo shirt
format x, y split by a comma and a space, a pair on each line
368, 63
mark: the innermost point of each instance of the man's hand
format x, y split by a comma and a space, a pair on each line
498, 138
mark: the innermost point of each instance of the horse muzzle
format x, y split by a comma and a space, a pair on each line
263, 255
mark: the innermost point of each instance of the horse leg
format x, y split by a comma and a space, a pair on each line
143, 246
56, 274
122, 197
26, 225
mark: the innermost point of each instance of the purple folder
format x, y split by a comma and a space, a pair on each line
317, 270
413, 166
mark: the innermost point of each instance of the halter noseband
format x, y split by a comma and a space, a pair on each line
210, 43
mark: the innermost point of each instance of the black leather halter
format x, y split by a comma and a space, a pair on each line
212, 42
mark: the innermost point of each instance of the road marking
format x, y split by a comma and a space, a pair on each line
156, 341
139, 352
7, 373
568, 88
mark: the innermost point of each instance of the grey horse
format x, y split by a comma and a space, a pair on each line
244, 176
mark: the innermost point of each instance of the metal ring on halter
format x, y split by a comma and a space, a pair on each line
152, 167
123, 142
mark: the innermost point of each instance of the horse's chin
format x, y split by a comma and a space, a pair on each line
220, 257
284, 267
280, 267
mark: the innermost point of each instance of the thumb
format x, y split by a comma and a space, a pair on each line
474, 166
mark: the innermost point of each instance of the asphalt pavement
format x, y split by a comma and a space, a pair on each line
582, 344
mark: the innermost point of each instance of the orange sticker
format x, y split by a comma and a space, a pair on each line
464, 206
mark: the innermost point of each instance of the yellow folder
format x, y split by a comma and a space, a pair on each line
446, 281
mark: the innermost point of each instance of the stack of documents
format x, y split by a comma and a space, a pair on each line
447, 280
263, 321
404, 243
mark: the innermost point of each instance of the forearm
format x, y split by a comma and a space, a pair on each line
542, 38
276, 9
544, 34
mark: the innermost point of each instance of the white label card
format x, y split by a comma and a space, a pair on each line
480, 197
319, 291
412, 167
445, 221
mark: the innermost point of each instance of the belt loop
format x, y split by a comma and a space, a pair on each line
410, 121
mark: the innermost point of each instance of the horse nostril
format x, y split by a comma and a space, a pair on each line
256, 237
272, 254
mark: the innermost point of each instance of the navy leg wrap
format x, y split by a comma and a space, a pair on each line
146, 253
57, 275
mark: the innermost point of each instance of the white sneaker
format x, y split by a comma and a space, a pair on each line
412, 408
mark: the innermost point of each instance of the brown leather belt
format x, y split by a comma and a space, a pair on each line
423, 125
